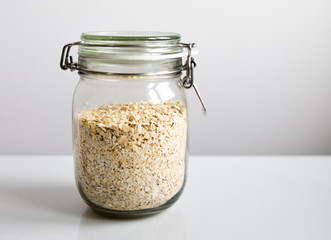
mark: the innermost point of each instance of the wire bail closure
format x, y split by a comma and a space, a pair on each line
67, 62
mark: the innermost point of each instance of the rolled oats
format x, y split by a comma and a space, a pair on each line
131, 156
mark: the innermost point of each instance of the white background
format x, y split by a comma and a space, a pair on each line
264, 70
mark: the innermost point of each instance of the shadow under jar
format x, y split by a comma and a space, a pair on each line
129, 121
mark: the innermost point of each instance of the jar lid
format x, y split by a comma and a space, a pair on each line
131, 45
130, 36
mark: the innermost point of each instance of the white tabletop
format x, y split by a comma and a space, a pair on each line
225, 198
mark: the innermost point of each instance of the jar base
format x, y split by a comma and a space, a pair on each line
131, 213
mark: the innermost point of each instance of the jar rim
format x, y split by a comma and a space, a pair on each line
136, 36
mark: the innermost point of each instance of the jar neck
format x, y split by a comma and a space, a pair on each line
132, 67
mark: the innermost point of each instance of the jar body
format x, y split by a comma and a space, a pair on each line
130, 143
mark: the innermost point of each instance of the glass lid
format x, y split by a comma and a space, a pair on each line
131, 45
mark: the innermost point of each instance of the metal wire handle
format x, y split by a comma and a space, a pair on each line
67, 62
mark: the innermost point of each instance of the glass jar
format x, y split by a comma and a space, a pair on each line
130, 120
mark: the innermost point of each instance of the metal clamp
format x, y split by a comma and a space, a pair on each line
66, 60
187, 81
